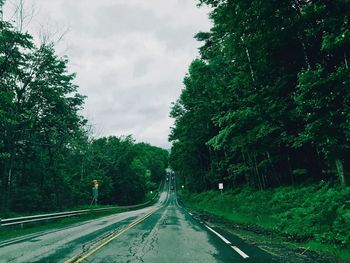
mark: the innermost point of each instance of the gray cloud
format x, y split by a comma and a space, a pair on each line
120, 19
130, 57
141, 67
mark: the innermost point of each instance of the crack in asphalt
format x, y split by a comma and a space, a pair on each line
153, 242
146, 242
86, 243
141, 250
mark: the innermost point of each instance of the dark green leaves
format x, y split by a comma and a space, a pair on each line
268, 96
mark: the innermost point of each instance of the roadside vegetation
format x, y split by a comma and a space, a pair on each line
265, 110
313, 215
48, 156
10, 232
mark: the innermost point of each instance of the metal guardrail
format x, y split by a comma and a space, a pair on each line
36, 218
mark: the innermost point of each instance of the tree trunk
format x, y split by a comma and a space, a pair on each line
249, 59
345, 61
340, 171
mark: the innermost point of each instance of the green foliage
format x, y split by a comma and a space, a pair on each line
267, 102
47, 161
316, 212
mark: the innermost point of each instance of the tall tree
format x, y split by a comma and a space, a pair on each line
277, 73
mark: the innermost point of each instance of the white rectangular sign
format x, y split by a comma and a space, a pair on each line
221, 186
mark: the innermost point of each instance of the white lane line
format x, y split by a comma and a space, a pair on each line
216, 233
244, 255
190, 213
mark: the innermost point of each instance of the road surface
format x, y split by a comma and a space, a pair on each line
164, 232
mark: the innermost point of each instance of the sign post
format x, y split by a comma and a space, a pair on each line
94, 192
221, 187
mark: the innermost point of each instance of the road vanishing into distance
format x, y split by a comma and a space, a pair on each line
164, 232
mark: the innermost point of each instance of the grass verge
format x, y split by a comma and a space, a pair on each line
315, 216
36, 227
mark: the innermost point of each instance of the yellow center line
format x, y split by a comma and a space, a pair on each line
105, 241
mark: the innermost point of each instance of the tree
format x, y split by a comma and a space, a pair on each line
270, 85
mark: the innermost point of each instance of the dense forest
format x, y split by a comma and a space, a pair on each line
48, 157
267, 102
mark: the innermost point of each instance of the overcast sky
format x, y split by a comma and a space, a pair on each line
130, 57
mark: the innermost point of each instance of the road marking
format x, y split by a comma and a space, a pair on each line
19, 239
105, 241
167, 197
244, 255
220, 236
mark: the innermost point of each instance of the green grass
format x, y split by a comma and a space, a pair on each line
317, 216
12, 214
30, 228
342, 253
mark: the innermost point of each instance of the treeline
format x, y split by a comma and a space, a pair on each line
267, 102
47, 160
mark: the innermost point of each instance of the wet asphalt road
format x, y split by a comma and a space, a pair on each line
165, 232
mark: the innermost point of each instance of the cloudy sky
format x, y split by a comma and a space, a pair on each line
130, 57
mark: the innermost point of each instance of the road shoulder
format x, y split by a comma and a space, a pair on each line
275, 245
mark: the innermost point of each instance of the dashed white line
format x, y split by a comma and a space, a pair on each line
244, 255
220, 236
240, 252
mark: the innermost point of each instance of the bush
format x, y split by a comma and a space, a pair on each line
315, 212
